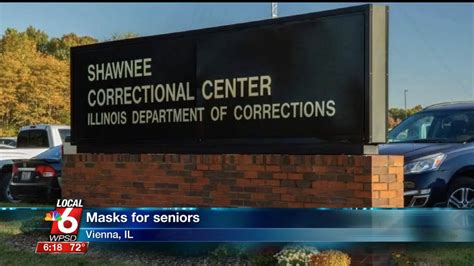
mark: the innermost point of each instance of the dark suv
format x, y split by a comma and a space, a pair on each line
438, 145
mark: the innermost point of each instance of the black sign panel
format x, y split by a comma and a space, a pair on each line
297, 85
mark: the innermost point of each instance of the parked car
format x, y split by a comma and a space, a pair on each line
438, 145
7, 142
31, 141
37, 178
4, 146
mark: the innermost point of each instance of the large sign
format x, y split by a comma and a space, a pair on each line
313, 83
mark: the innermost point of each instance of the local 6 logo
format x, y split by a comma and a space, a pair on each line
66, 219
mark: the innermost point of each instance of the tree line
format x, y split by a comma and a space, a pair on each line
34, 77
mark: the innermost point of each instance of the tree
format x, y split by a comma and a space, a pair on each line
17, 42
34, 77
39, 37
34, 86
60, 47
414, 110
57, 47
122, 36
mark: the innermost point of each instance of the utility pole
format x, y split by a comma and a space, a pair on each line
274, 10
406, 113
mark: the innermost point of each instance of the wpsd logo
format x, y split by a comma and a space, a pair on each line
66, 220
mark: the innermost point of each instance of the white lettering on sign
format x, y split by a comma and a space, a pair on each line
140, 67
128, 95
182, 91
237, 87
176, 115
285, 110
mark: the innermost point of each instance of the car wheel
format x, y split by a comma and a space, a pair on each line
461, 193
5, 187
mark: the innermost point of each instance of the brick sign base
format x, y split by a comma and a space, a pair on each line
288, 181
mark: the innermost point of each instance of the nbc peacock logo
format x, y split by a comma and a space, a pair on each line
52, 216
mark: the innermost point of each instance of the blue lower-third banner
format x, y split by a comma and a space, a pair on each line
272, 225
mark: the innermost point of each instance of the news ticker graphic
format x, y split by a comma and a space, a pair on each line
275, 225
257, 225
62, 247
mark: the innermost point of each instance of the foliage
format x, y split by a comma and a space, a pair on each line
34, 77
396, 115
263, 260
228, 251
60, 47
9, 227
295, 255
34, 86
34, 224
40, 38
447, 254
262, 254
330, 258
122, 36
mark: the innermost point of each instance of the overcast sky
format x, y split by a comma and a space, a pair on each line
431, 45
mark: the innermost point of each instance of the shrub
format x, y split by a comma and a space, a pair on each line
229, 251
330, 258
295, 255
263, 260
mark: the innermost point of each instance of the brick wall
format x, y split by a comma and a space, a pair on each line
171, 180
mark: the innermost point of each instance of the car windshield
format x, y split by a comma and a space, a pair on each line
456, 126
33, 138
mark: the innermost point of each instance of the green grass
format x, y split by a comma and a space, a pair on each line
10, 228
439, 254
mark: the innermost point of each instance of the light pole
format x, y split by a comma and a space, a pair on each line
405, 92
